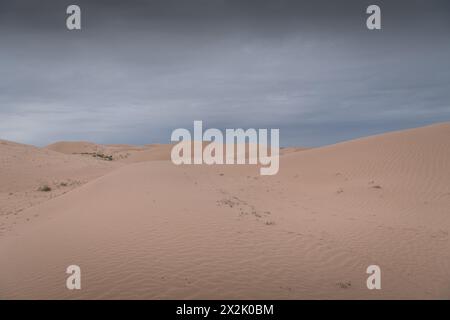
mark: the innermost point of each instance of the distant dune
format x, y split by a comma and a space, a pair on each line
120, 152
75, 147
155, 230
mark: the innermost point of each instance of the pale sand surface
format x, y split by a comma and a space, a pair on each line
141, 227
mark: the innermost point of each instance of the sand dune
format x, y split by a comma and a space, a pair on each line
131, 154
76, 147
25, 170
155, 230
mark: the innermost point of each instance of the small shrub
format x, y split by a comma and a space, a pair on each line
103, 156
45, 188
344, 285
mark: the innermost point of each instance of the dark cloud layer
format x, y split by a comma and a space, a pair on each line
139, 69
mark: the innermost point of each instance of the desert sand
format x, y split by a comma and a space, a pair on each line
140, 227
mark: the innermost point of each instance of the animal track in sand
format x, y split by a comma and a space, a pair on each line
245, 209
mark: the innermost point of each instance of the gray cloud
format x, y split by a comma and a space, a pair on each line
139, 69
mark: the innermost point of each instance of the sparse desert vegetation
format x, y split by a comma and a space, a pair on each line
98, 155
45, 188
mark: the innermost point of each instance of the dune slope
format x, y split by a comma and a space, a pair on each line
24, 172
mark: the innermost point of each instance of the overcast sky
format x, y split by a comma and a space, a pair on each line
139, 69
